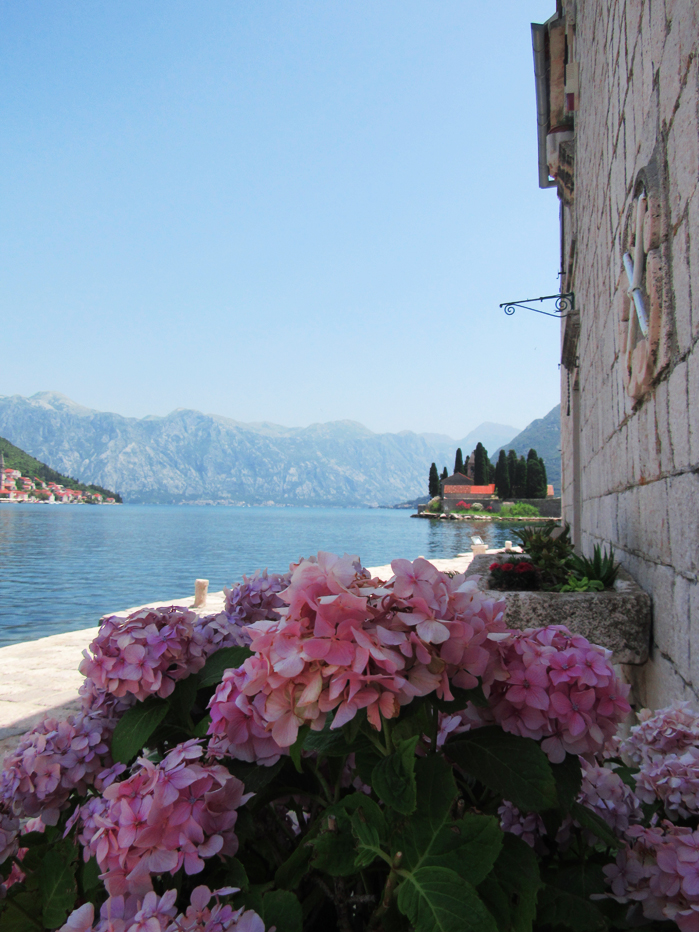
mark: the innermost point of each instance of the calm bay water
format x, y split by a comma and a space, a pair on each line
62, 567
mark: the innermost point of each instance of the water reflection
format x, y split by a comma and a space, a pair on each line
62, 567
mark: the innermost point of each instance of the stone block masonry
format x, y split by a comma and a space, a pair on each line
630, 446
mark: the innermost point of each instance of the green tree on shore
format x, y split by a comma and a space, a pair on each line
536, 476
520, 484
459, 462
433, 482
481, 472
502, 476
512, 467
445, 474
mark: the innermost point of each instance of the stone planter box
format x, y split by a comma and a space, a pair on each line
619, 619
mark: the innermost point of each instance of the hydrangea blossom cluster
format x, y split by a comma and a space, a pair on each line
674, 780
549, 684
162, 817
9, 829
660, 869
145, 653
605, 793
159, 914
665, 747
52, 760
345, 642
257, 598
659, 733
529, 826
602, 790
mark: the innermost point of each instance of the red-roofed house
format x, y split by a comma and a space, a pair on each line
458, 490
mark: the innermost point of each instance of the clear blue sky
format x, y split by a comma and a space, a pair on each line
276, 210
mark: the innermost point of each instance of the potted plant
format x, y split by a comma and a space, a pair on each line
595, 597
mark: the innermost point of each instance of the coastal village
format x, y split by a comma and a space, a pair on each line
14, 487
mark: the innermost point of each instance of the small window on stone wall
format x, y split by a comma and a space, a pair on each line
643, 284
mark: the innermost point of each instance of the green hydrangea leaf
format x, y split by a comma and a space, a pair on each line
595, 824
228, 658
135, 727
436, 899
20, 912
431, 838
568, 777
393, 778
562, 908
57, 885
515, 768
280, 908
510, 891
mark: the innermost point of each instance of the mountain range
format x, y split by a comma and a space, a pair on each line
188, 456
543, 435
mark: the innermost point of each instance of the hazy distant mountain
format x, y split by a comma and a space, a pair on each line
490, 435
544, 435
188, 456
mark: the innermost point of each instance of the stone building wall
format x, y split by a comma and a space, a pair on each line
630, 444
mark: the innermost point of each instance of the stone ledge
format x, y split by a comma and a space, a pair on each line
619, 620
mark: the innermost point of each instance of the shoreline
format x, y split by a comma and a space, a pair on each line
40, 678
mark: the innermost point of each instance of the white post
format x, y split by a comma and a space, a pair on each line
201, 589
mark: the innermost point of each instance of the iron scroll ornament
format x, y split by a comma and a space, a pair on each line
565, 305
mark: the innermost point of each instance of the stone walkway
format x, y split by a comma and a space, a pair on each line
40, 678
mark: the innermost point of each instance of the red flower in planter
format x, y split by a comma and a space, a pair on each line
524, 568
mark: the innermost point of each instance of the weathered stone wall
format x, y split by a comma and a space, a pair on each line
638, 458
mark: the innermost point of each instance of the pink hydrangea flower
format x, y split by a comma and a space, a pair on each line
666, 731
346, 642
555, 687
660, 869
146, 653
9, 830
162, 817
159, 914
54, 759
674, 780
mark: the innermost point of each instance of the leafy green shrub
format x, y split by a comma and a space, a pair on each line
582, 585
601, 568
435, 506
550, 549
476, 506
519, 510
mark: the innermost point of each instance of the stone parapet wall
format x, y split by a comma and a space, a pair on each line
637, 465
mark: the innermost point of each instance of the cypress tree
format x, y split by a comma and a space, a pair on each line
459, 462
512, 467
480, 465
533, 478
434, 483
445, 474
520, 484
544, 479
502, 476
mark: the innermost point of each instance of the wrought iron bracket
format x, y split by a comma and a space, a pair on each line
565, 305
